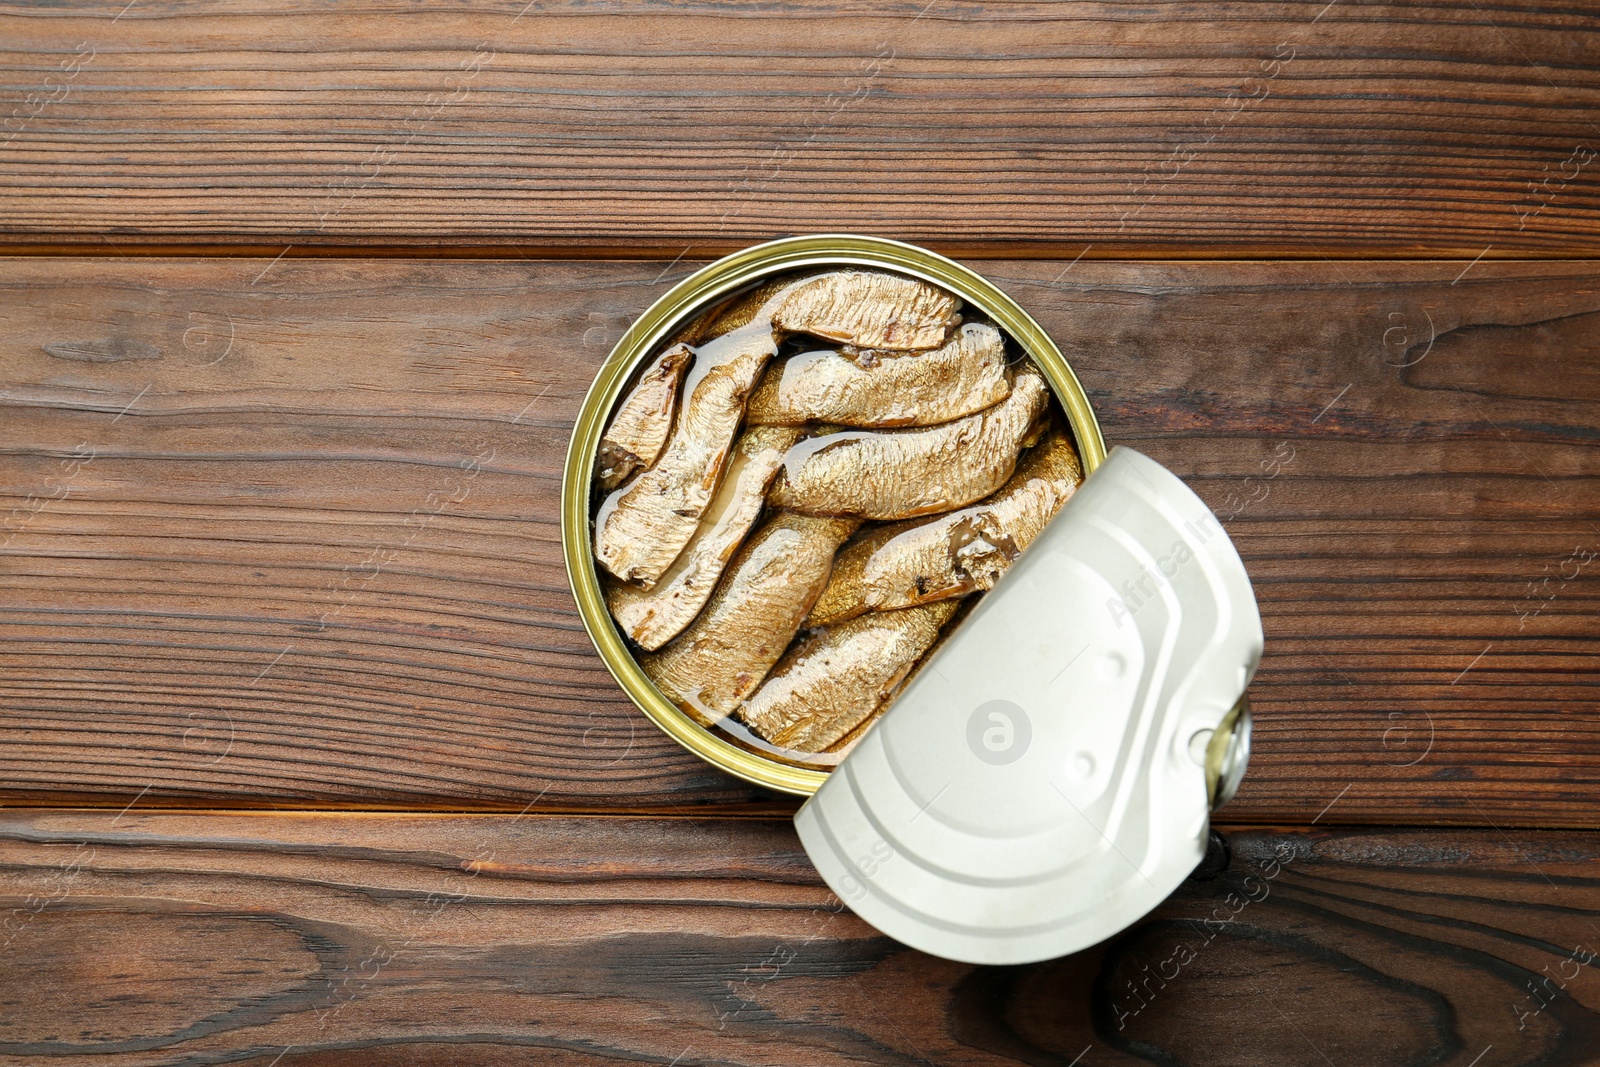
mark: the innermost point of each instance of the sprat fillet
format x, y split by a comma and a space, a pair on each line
869, 388
723, 655
639, 427
867, 309
838, 676
641, 422
962, 552
654, 616
901, 474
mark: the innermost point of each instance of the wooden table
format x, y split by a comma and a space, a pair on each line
306, 758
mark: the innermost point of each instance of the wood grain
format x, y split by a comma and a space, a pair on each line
1200, 128
399, 939
284, 533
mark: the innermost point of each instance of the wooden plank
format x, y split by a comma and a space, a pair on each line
285, 532
400, 939
1199, 128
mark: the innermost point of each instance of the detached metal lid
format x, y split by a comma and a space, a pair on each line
1047, 777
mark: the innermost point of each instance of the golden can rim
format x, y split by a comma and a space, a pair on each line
641, 338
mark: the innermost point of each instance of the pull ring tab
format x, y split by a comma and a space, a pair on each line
1228, 753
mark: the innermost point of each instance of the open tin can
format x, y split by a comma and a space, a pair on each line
695, 294
1045, 776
